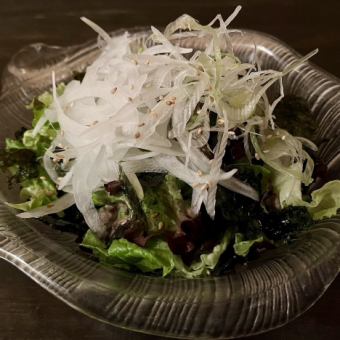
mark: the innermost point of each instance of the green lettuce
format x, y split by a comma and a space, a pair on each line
38, 143
102, 197
242, 247
155, 256
325, 201
163, 204
22, 158
42, 140
124, 254
207, 262
36, 192
40, 103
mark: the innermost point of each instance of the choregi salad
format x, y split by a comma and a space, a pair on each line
168, 160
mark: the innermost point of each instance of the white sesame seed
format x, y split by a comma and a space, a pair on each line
257, 156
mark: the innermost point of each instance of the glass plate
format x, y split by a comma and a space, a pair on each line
266, 294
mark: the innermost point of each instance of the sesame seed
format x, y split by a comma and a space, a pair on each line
199, 131
114, 90
42, 178
160, 225
220, 121
257, 156
265, 151
137, 135
283, 137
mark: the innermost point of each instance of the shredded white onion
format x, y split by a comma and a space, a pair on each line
136, 109
54, 207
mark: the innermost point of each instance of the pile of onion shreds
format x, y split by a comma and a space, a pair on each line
144, 106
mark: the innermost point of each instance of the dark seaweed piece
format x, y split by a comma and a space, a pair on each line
24, 161
294, 115
241, 213
284, 224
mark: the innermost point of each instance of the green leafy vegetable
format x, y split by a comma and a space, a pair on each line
102, 197
163, 204
36, 192
242, 247
40, 103
38, 143
208, 261
21, 158
155, 256
325, 201
124, 254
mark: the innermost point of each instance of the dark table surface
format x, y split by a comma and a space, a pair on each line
29, 312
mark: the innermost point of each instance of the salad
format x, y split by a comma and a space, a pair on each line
171, 161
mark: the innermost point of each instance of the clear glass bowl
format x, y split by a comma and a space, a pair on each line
266, 294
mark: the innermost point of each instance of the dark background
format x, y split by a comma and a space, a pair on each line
26, 310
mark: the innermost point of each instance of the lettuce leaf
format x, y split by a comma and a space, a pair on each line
325, 201
124, 254
155, 256
37, 192
40, 103
22, 158
41, 141
163, 204
209, 261
242, 247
